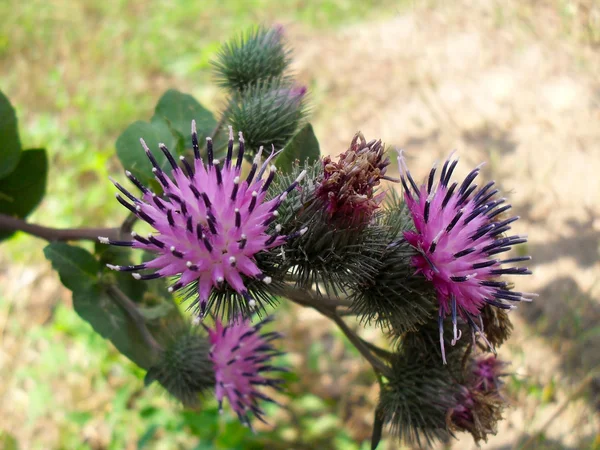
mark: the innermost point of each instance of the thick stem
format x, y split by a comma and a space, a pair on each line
327, 306
134, 313
310, 298
360, 345
9, 223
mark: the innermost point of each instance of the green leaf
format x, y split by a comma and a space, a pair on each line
132, 155
302, 146
78, 270
107, 318
23, 189
10, 145
76, 267
178, 109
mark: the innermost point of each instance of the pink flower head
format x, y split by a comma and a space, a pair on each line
210, 222
487, 372
241, 356
457, 235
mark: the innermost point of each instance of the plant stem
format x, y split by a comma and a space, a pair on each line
9, 223
360, 345
311, 298
134, 313
327, 306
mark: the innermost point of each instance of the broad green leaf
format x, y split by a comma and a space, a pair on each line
76, 267
179, 109
303, 146
131, 152
10, 145
23, 189
97, 307
93, 301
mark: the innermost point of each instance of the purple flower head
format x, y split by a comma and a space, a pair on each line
487, 372
349, 185
478, 404
459, 231
241, 356
210, 222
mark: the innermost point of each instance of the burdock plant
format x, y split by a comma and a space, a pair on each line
229, 217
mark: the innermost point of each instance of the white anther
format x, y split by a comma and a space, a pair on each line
189, 264
172, 248
133, 234
240, 137
112, 267
273, 169
236, 180
267, 280
303, 230
220, 279
128, 173
258, 155
103, 240
182, 158
137, 276
143, 142
232, 260
254, 194
300, 177
216, 162
208, 139
138, 208
236, 210
170, 289
243, 236
278, 228
196, 320
275, 214
154, 170
252, 303
283, 196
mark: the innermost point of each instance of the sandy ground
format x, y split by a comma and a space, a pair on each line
503, 85
526, 101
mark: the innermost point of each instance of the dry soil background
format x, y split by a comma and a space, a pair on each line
498, 82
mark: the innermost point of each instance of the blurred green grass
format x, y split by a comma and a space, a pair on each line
77, 74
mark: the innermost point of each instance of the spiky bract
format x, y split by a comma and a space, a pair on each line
255, 56
394, 298
416, 397
184, 368
268, 112
331, 257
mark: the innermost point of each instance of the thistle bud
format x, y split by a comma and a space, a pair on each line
256, 56
348, 185
184, 368
416, 398
268, 112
